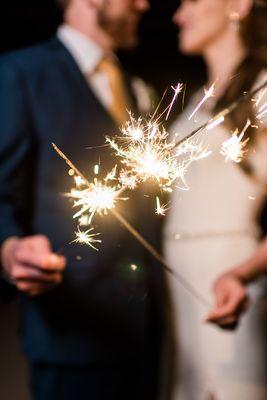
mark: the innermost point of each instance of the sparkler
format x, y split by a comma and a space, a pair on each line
177, 90
263, 108
146, 154
96, 198
262, 113
183, 282
234, 148
207, 94
220, 116
90, 238
160, 209
85, 237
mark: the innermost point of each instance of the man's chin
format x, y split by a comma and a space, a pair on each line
124, 43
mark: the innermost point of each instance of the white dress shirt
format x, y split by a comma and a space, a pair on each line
87, 55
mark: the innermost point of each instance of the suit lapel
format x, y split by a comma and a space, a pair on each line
66, 58
81, 82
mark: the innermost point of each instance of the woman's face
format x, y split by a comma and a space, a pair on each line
201, 22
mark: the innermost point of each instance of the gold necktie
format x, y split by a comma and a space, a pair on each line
120, 100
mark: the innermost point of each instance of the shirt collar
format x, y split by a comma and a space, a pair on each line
85, 51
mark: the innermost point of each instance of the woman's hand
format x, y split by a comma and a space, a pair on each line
231, 300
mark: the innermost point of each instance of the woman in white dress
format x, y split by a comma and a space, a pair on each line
213, 225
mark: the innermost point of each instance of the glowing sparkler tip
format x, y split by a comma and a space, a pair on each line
153, 156
234, 148
207, 94
160, 209
177, 90
85, 237
84, 220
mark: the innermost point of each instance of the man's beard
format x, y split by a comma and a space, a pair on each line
118, 30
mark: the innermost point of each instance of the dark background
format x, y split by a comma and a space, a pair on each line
157, 60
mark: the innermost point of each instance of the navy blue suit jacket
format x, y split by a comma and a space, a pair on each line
103, 310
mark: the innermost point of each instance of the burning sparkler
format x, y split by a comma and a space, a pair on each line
207, 94
261, 108
234, 148
85, 237
220, 117
160, 209
97, 198
177, 90
101, 205
146, 154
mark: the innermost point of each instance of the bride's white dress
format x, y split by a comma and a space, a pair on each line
210, 228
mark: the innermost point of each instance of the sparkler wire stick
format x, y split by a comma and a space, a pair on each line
186, 285
70, 164
224, 113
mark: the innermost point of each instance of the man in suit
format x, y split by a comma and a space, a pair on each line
90, 321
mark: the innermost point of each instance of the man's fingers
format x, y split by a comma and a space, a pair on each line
30, 263
37, 243
36, 251
45, 261
30, 273
33, 289
55, 261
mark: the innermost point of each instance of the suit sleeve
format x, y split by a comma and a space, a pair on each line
14, 146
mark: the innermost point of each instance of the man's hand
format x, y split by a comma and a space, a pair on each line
31, 265
231, 301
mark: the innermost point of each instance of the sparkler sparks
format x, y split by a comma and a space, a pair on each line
84, 220
215, 122
260, 104
85, 237
97, 198
147, 154
160, 209
220, 116
234, 148
262, 108
79, 181
127, 180
207, 94
144, 151
177, 90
